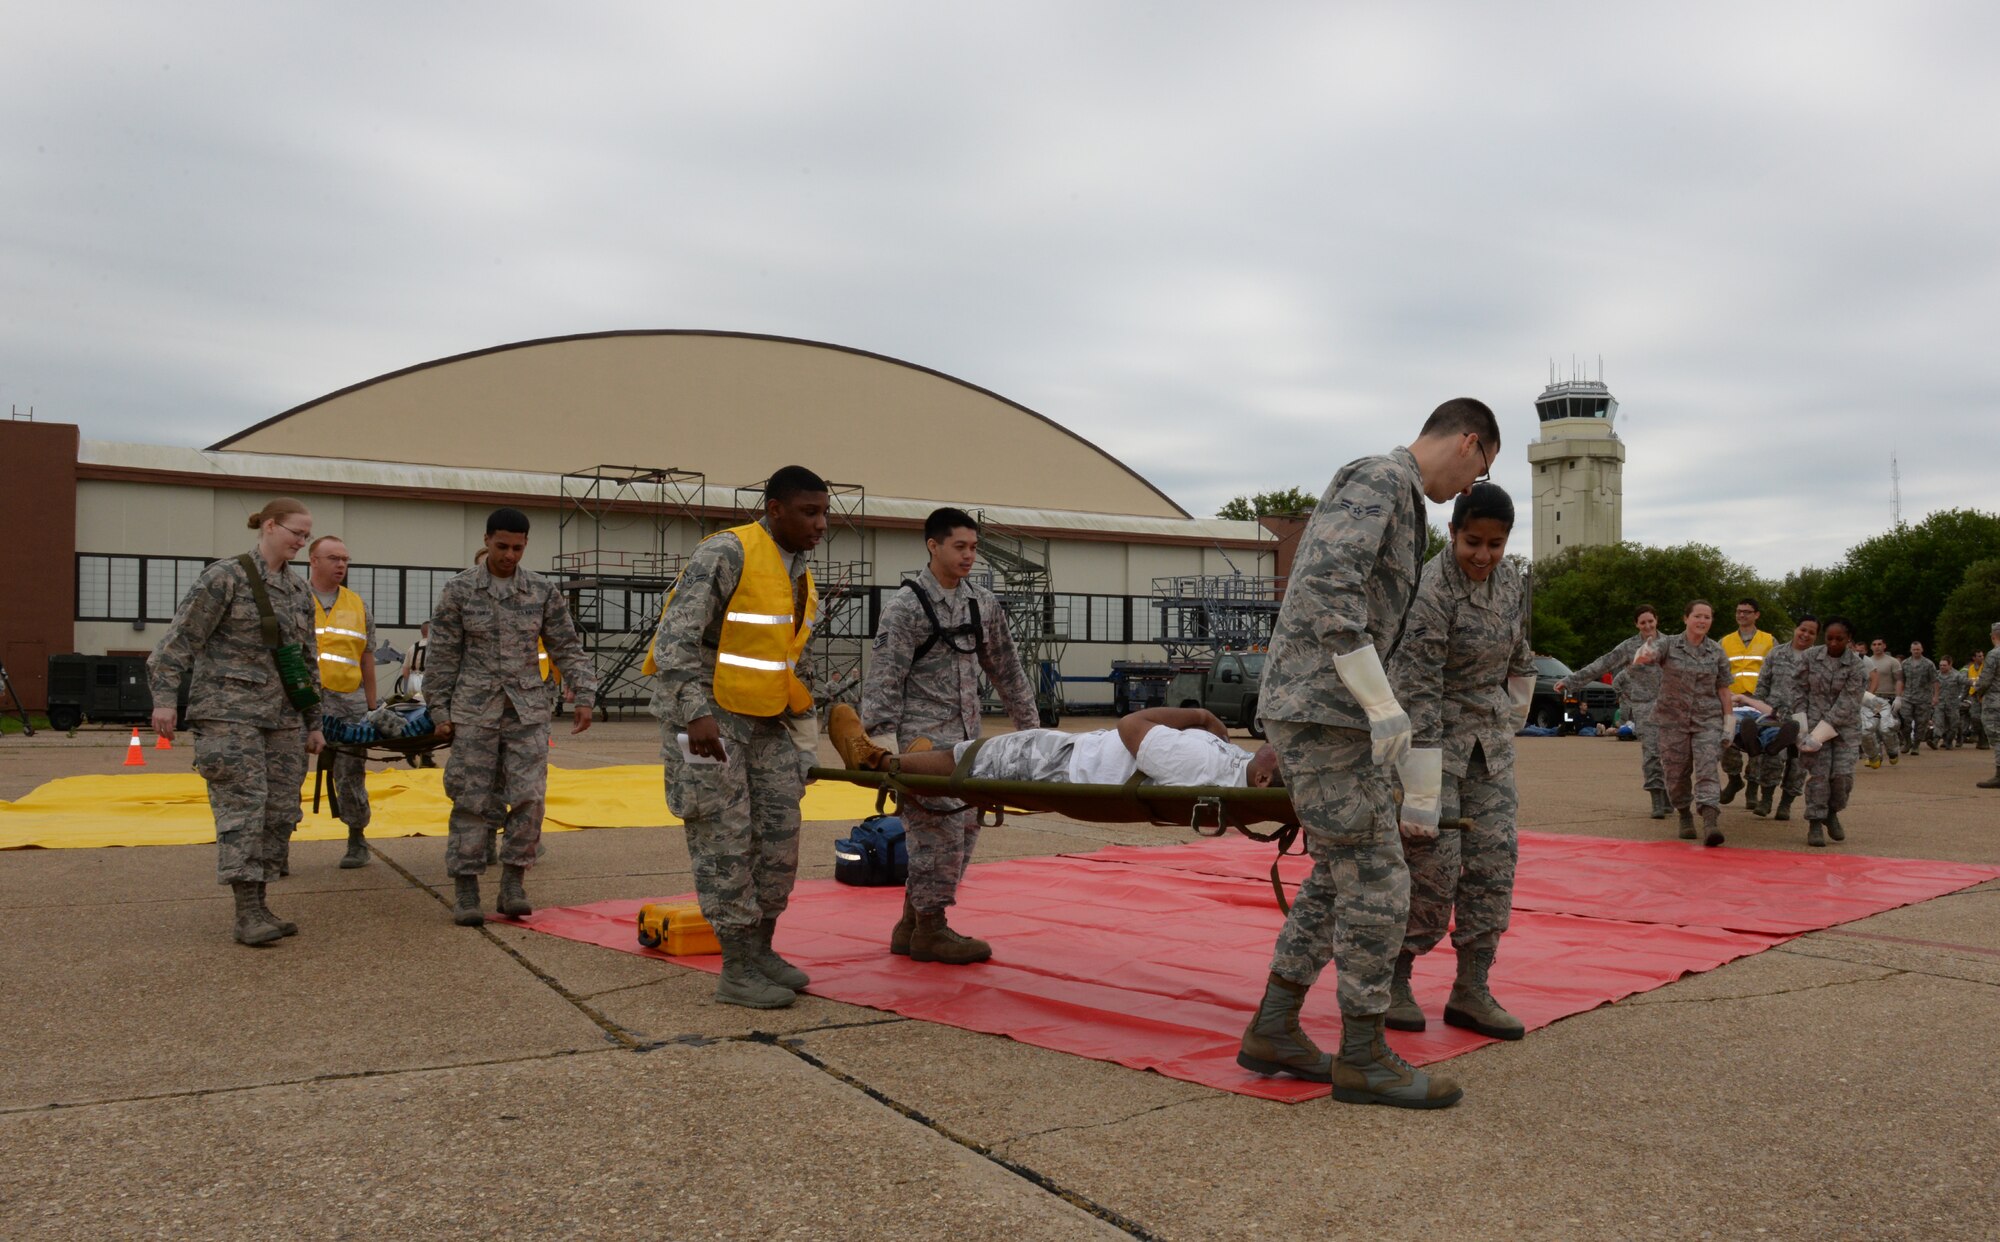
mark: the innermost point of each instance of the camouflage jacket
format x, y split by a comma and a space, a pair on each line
937, 696
1692, 680
690, 631
217, 631
1354, 579
1777, 682
482, 650
1829, 689
1954, 688
1989, 702
1641, 682
1464, 640
1920, 679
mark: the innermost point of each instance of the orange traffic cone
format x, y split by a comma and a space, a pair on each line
160, 742
135, 755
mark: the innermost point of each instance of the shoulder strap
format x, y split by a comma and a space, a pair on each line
930, 615
266, 619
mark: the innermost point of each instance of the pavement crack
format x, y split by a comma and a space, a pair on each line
1743, 996
1012, 1139
195, 1093
1034, 1177
625, 1039
1907, 970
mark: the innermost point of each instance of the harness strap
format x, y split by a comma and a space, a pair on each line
267, 620
938, 632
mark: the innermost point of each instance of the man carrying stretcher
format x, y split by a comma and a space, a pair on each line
1181, 746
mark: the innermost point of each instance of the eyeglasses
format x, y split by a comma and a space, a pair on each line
302, 534
1486, 475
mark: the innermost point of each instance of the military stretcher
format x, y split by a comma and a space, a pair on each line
381, 750
1208, 811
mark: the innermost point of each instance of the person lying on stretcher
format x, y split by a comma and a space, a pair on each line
1185, 746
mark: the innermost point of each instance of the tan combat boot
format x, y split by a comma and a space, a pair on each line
933, 940
1687, 824
1711, 831
1275, 1043
899, 935
1472, 1007
1404, 1013
741, 983
770, 965
1368, 1071
357, 851
253, 926
850, 740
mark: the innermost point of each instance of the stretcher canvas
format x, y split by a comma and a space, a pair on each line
1153, 957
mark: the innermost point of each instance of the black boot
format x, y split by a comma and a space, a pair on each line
1784, 811
1753, 801
1815, 834
1687, 824
513, 896
1729, 791
1275, 1043
1711, 830
1833, 828
1660, 804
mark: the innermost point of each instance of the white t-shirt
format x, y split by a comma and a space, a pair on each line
1166, 756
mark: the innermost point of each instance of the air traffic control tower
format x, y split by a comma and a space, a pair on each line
1578, 467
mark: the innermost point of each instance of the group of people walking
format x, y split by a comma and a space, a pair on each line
1392, 693
1842, 705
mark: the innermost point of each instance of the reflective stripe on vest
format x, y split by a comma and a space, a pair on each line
1746, 660
761, 638
342, 635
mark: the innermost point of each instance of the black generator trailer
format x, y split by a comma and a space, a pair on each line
104, 690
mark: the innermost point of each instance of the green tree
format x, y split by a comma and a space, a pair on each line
1585, 596
1291, 500
1801, 590
1965, 624
1434, 541
1895, 585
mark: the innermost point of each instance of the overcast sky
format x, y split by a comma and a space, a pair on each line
1233, 245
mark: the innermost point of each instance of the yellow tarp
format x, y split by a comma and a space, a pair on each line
83, 812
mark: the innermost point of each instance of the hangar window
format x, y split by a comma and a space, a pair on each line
133, 588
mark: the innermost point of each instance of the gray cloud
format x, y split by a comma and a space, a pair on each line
1233, 246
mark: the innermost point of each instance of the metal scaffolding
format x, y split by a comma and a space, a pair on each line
840, 570
1038, 622
615, 592
1201, 614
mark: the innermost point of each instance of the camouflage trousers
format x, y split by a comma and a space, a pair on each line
1786, 768
1878, 732
1948, 723
1689, 753
497, 777
1354, 907
1913, 722
348, 773
1829, 776
1464, 880
254, 777
1641, 716
942, 833
742, 819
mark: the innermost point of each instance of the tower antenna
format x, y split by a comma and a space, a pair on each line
1896, 487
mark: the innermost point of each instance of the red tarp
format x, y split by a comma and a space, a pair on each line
1154, 957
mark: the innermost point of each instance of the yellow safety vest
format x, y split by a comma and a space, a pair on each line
342, 635
1746, 661
543, 662
762, 635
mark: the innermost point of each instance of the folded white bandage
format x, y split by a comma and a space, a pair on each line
1822, 733
1521, 693
1422, 774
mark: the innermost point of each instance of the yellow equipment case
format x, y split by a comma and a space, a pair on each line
678, 929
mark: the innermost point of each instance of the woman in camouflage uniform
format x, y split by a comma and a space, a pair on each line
250, 743
1466, 676
1691, 713
1638, 685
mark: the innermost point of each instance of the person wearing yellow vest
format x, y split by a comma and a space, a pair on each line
1747, 646
730, 668
346, 635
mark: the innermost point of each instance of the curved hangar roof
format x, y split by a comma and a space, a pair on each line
734, 406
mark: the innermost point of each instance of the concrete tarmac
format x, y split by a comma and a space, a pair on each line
386, 1074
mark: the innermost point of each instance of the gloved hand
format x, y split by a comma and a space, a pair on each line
1871, 701
1422, 774
1388, 724
1822, 733
1521, 693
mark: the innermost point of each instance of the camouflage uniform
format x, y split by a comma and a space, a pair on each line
1989, 704
937, 697
1913, 718
349, 773
249, 741
1879, 737
1689, 715
1638, 687
483, 678
742, 815
1354, 579
1463, 641
1948, 720
1777, 685
1829, 689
